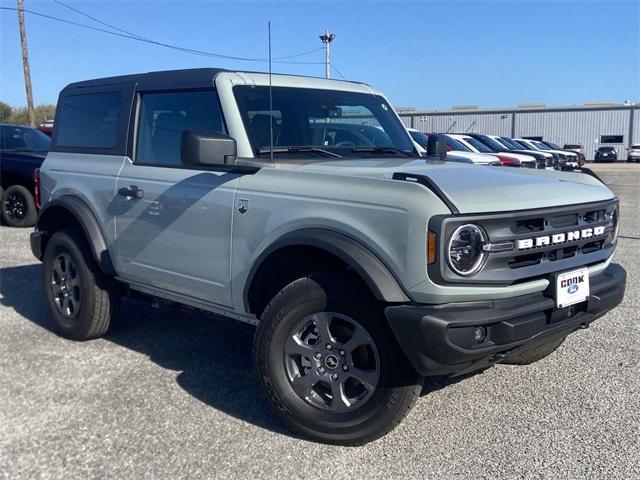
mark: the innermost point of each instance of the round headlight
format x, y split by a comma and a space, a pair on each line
464, 251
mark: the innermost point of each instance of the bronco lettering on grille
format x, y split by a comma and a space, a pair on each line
558, 238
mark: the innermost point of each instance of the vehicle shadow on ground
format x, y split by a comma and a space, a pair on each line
213, 356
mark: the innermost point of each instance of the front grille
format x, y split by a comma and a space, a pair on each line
532, 244
554, 224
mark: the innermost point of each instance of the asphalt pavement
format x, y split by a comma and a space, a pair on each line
173, 395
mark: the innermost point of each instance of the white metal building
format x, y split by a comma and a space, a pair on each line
590, 125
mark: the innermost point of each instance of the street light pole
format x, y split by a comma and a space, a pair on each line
327, 38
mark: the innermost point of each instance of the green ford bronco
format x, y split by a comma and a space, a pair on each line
302, 206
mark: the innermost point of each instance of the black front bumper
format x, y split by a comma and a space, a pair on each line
439, 339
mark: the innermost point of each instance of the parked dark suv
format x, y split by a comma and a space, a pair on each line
22, 151
606, 154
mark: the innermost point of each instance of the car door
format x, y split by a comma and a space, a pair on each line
173, 222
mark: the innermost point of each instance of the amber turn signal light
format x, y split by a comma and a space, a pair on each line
431, 247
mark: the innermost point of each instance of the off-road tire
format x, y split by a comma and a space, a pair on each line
534, 354
30, 212
398, 387
99, 297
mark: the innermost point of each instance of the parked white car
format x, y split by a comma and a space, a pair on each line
507, 143
455, 151
571, 159
633, 153
477, 146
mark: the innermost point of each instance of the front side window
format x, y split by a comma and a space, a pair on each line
89, 120
164, 116
304, 120
23, 139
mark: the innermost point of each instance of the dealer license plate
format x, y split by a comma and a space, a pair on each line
572, 287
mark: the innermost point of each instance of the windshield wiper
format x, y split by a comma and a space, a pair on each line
299, 149
381, 150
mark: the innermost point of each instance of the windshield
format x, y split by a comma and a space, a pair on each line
540, 145
457, 145
553, 145
573, 147
491, 143
524, 145
478, 145
510, 144
24, 139
345, 123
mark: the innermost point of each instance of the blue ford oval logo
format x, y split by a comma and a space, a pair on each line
572, 289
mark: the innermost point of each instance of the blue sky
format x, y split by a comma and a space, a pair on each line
422, 54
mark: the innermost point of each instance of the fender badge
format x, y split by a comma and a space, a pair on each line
243, 205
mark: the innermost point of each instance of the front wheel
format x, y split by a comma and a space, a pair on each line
328, 363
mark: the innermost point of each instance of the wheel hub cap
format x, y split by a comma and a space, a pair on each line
332, 363
65, 285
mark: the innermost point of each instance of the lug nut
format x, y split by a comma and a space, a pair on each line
334, 376
321, 370
318, 355
342, 352
345, 368
329, 346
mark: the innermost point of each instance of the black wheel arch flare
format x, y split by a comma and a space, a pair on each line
83, 215
363, 261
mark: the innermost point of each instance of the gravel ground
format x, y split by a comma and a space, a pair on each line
173, 395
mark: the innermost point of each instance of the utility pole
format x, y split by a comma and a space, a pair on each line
25, 64
327, 38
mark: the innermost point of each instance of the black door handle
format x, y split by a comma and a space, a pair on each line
131, 192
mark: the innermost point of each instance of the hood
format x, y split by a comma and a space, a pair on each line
481, 158
478, 188
545, 154
523, 157
567, 153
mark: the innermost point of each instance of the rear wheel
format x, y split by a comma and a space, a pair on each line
81, 298
18, 207
534, 354
328, 363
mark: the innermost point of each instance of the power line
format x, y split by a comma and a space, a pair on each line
73, 9
167, 45
62, 4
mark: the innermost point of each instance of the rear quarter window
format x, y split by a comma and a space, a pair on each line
89, 121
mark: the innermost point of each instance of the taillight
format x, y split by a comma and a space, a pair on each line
508, 161
36, 187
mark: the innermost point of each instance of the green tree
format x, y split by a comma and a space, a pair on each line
5, 112
43, 113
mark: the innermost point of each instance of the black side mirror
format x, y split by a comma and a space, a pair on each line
202, 148
441, 147
437, 145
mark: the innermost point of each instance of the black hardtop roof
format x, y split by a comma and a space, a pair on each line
186, 78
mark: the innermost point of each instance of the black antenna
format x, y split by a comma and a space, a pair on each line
270, 101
